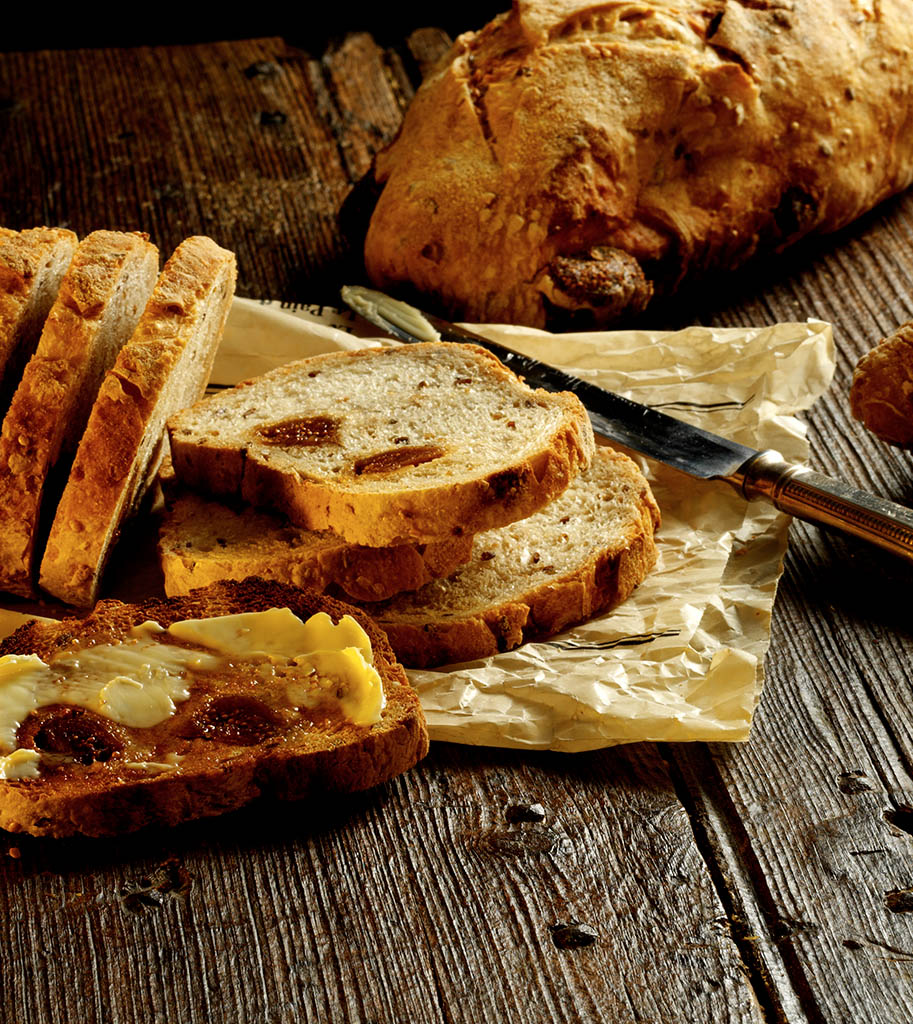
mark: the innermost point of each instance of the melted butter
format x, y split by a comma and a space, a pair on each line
275, 635
139, 682
344, 676
20, 764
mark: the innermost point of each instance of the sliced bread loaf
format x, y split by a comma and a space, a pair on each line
387, 446
183, 726
99, 303
32, 262
201, 541
164, 367
583, 554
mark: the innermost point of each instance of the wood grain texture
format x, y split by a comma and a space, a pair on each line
766, 882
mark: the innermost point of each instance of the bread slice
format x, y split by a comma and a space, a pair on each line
201, 541
32, 263
238, 734
583, 554
387, 446
164, 367
99, 303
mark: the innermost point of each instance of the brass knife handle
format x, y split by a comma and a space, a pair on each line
820, 499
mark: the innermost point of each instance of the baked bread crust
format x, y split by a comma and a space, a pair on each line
881, 395
663, 139
98, 304
108, 798
164, 367
201, 541
460, 489
583, 554
32, 262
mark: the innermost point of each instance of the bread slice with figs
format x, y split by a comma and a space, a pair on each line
579, 557
385, 446
172, 709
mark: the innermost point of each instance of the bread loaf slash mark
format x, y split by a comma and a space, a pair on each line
301, 432
68, 729
398, 458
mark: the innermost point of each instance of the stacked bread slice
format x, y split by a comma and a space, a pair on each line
345, 470
119, 350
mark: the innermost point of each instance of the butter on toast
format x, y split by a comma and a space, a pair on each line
387, 445
117, 754
98, 304
164, 367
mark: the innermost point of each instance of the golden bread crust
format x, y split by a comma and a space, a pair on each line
881, 395
685, 134
52, 401
153, 376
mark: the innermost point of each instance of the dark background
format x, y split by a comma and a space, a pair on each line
105, 25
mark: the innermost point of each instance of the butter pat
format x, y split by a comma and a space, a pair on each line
345, 676
20, 764
277, 634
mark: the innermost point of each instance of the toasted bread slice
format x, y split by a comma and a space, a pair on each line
201, 541
387, 446
32, 263
582, 555
164, 367
99, 303
240, 729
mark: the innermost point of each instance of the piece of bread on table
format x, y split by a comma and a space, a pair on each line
230, 729
99, 303
580, 556
881, 394
164, 367
385, 446
201, 541
32, 263
575, 156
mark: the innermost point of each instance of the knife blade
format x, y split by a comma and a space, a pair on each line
790, 487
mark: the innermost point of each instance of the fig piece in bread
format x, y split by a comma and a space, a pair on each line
575, 156
129, 743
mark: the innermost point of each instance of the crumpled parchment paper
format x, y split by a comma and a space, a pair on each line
682, 659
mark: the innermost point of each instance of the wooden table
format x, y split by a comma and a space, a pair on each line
764, 882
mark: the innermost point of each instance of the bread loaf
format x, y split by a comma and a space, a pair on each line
234, 728
881, 395
576, 156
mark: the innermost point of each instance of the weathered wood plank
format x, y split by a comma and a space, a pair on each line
426, 901
812, 816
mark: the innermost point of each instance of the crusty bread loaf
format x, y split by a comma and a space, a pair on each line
410, 444
201, 541
234, 738
32, 262
164, 367
576, 155
881, 395
581, 555
99, 303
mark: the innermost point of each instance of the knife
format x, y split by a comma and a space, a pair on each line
792, 488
